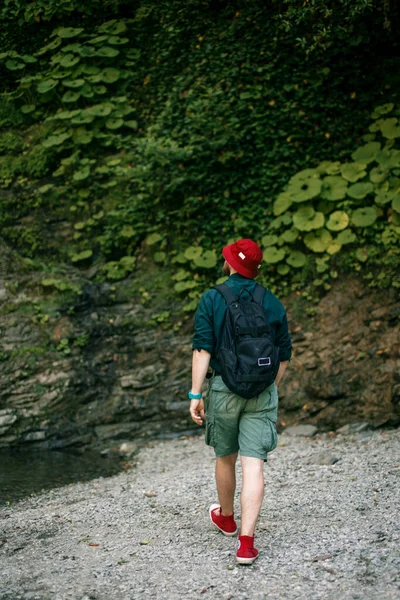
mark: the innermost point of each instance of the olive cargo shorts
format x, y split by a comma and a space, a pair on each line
233, 423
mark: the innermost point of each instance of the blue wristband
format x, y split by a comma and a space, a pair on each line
192, 396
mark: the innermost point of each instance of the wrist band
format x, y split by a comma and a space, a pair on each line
192, 396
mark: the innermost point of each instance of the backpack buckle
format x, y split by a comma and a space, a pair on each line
264, 362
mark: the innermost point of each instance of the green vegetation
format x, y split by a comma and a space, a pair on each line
166, 129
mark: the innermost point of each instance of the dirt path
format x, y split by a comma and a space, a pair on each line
326, 531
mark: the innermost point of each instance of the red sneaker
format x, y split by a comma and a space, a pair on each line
246, 554
225, 524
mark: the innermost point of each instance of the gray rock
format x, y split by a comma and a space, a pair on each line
301, 430
7, 417
322, 458
353, 428
35, 436
128, 449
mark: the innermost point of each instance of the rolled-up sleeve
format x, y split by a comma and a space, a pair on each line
282, 339
203, 338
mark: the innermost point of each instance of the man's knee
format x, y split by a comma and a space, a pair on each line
230, 459
251, 464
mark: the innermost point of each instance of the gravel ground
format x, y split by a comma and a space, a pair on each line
328, 531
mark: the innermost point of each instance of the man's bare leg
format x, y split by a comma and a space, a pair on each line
252, 493
225, 477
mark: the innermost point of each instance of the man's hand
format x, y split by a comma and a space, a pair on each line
197, 411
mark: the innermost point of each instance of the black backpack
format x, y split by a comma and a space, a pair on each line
248, 356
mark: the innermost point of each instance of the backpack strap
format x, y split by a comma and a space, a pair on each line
226, 292
259, 293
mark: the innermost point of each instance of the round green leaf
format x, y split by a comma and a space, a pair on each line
378, 175
107, 52
26, 109
55, 140
128, 232
73, 83
132, 124
82, 136
14, 65
290, 235
283, 269
304, 185
333, 248
81, 174
70, 96
306, 219
159, 257
113, 27
362, 254
100, 110
318, 241
390, 128
388, 159
87, 51
364, 217
337, 221
83, 117
346, 237
396, 203
328, 167
153, 238
193, 252
69, 60
282, 203
384, 108
366, 153
46, 85
85, 254
273, 255
207, 260
117, 41
114, 123
182, 286
99, 89
353, 171
358, 191
334, 188
110, 75
69, 32
269, 240
296, 259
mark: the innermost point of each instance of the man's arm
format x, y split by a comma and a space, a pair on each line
282, 368
200, 363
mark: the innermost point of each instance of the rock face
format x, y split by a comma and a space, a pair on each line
97, 372
346, 363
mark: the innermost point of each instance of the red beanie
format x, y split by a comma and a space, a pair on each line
245, 257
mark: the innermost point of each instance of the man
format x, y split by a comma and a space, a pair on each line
234, 424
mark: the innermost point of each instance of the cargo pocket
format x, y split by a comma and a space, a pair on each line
270, 437
210, 436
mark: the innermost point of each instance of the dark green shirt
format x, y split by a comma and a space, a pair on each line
210, 317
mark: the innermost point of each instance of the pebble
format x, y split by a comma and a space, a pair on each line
326, 530
301, 430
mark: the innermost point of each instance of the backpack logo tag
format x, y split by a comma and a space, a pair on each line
264, 362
